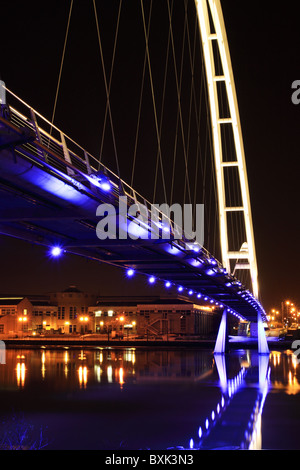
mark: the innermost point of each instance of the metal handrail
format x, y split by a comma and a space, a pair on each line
82, 162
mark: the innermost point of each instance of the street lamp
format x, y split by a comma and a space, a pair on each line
83, 320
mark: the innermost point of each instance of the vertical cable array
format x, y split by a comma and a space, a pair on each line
107, 85
168, 146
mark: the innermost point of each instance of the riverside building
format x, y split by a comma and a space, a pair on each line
73, 312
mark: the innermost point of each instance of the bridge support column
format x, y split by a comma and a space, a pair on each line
220, 346
263, 347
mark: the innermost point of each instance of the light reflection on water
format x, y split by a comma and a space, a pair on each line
146, 397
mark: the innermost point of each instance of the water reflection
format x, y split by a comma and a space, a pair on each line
20, 369
235, 420
285, 372
189, 398
82, 376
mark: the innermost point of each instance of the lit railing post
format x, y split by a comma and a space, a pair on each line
87, 162
66, 153
38, 134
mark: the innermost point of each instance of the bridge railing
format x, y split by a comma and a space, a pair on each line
63, 153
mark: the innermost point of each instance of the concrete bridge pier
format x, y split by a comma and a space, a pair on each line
257, 330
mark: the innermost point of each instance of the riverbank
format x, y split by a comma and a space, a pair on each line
235, 343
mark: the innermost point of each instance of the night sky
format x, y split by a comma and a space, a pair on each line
264, 40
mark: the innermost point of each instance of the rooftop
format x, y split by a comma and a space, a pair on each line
10, 300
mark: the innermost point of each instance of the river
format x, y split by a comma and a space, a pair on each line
147, 398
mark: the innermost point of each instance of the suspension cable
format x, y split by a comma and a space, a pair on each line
110, 80
61, 64
106, 89
197, 109
178, 85
158, 160
140, 105
153, 98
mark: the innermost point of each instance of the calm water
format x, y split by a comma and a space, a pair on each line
157, 399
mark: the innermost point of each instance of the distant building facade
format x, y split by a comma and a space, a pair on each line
15, 315
74, 312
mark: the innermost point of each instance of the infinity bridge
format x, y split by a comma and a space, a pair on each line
50, 195
51, 188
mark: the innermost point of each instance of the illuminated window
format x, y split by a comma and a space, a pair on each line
73, 312
61, 313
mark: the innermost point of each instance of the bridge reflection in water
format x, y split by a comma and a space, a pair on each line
146, 398
235, 422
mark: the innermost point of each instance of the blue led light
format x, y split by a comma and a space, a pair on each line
130, 272
168, 284
152, 280
105, 186
56, 251
191, 292
100, 180
210, 272
180, 289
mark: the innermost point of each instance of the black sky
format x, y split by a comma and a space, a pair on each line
264, 40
